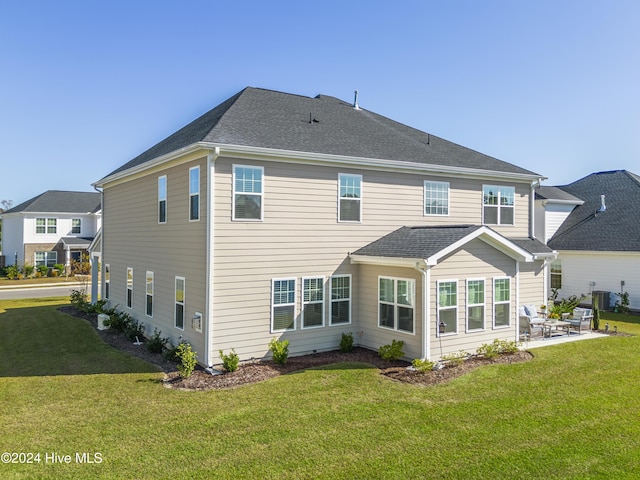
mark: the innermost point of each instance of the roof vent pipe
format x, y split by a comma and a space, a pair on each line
355, 101
603, 207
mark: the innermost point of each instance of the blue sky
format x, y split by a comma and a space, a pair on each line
552, 86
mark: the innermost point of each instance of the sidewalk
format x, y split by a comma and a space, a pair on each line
68, 283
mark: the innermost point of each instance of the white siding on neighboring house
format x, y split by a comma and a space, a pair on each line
549, 217
605, 269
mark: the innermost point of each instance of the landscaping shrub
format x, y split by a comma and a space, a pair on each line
156, 343
280, 350
230, 362
79, 300
12, 272
42, 270
423, 365
455, 359
393, 351
119, 321
346, 342
622, 304
134, 330
596, 313
498, 347
58, 269
187, 358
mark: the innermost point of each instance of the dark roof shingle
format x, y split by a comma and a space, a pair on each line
57, 201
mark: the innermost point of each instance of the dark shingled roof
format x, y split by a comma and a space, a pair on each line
264, 118
616, 229
532, 245
556, 193
57, 201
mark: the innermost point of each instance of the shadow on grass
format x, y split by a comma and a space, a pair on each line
40, 341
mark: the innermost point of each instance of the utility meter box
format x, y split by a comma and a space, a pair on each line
102, 318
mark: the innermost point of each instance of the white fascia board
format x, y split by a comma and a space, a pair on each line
387, 261
491, 238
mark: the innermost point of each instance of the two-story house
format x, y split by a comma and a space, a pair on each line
278, 215
55, 227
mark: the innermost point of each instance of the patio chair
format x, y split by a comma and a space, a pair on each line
580, 319
529, 322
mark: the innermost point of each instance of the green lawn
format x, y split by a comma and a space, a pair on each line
570, 413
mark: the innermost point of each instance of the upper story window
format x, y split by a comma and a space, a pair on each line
76, 226
194, 193
498, 205
162, 199
247, 192
46, 225
436, 198
349, 198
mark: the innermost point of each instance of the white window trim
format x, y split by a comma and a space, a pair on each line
340, 175
273, 304
484, 304
107, 281
424, 199
331, 300
192, 194
454, 307
511, 319
176, 302
499, 207
149, 275
234, 193
323, 302
396, 305
163, 198
129, 287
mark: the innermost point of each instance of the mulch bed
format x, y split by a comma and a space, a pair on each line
260, 370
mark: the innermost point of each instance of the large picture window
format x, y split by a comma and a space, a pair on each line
312, 302
498, 205
475, 305
179, 303
447, 307
501, 302
247, 193
396, 304
436, 198
162, 199
283, 304
349, 198
340, 299
194, 193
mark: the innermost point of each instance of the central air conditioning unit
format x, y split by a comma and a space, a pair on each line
102, 318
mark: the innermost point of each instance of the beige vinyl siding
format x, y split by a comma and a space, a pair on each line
300, 236
475, 260
531, 282
133, 238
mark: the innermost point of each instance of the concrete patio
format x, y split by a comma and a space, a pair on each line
540, 341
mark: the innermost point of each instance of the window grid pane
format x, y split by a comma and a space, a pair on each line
436, 198
340, 300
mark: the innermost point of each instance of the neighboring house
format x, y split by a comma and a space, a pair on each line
55, 227
594, 224
278, 215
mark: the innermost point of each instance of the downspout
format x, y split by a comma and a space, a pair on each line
208, 309
517, 316
532, 208
95, 288
426, 347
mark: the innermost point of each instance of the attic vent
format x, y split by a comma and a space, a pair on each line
355, 101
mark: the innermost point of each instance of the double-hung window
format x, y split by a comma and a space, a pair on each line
396, 304
247, 192
447, 307
556, 274
498, 205
283, 304
349, 198
436, 198
162, 199
475, 305
501, 302
149, 291
107, 281
76, 226
179, 303
340, 299
194, 193
312, 302
129, 287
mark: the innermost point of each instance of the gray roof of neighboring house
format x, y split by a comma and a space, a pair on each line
57, 201
617, 228
268, 119
423, 242
556, 194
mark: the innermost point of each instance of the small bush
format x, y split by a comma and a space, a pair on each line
58, 267
119, 321
346, 342
171, 353
498, 347
43, 270
230, 361
12, 272
156, 343
423, 365
134, 330
455, 359
280, 350
79, 300
187, 358
393, 351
